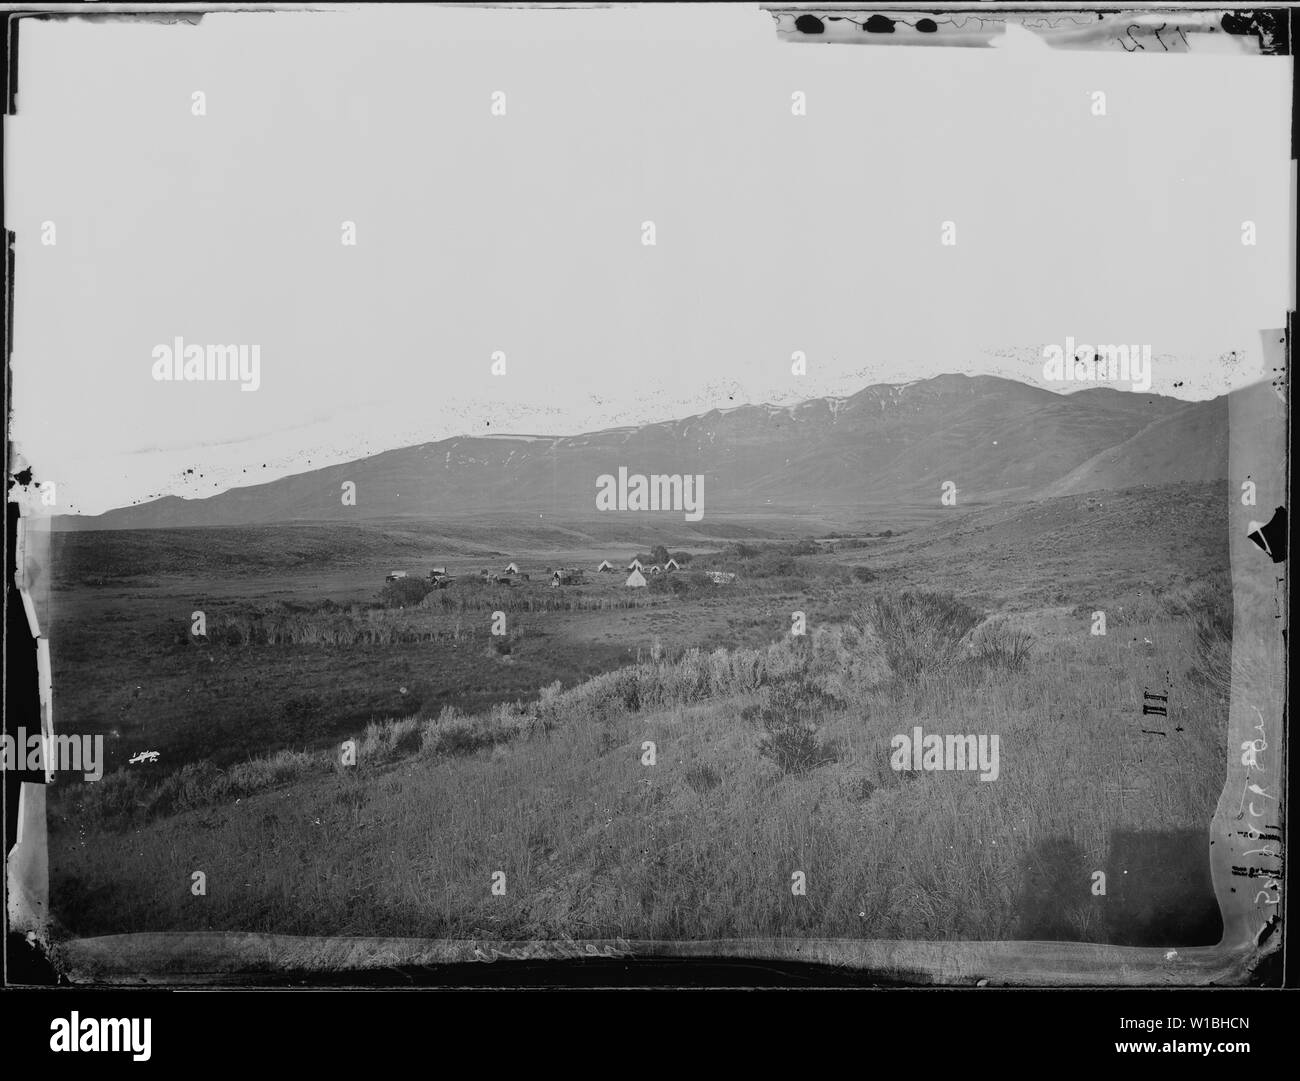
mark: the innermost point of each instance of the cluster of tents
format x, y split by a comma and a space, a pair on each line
563, 576
636, 579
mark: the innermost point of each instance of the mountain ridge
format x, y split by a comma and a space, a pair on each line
993, 437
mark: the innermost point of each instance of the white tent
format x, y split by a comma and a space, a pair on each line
636, 580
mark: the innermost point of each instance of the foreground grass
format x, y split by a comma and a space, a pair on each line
768, 762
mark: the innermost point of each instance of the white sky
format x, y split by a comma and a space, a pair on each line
522, 233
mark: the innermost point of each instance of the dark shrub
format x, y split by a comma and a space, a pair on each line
463, 738
674, 585
796, 748
193, 785
922, 631
405, 592
770, 564
703, 778
115, 799
408, 742
792, 700
790, 713
1002, 648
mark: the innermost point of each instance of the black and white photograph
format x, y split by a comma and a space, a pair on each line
646, 483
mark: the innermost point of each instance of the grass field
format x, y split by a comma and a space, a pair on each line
772, 752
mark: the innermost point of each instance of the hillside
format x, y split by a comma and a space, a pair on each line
1189, 446
896, 444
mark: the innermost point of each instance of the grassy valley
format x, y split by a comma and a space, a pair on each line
523, 753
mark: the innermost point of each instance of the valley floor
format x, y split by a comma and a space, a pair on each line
726, 780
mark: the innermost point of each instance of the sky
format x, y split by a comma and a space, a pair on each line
775, 233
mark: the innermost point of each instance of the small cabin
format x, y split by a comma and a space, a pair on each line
438, 572
635, 580
393, 576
